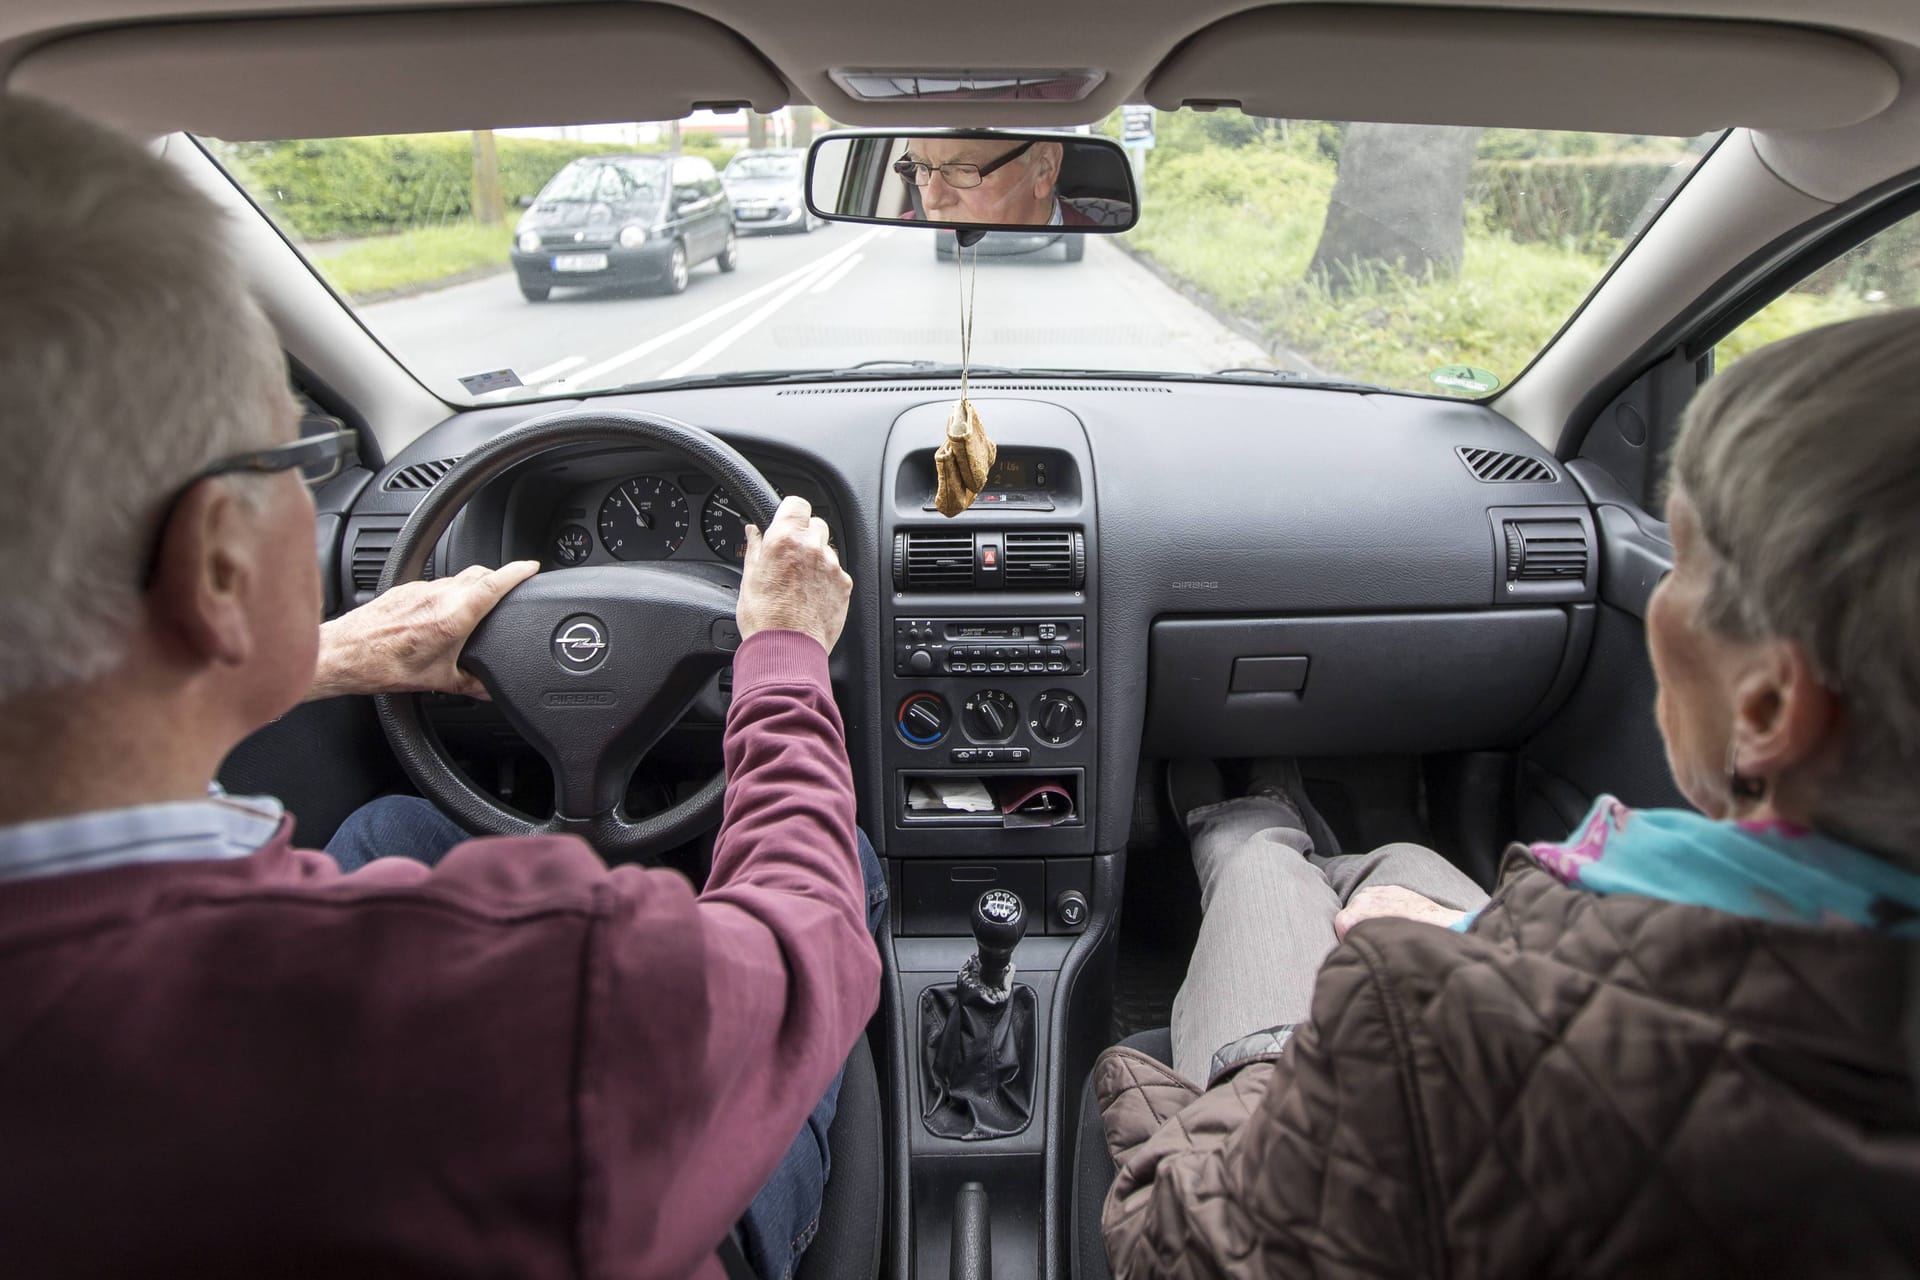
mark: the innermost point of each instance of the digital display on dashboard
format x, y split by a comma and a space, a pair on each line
985, 631
1017, 472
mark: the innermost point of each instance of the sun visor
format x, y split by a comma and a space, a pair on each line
1527, 70
347, 75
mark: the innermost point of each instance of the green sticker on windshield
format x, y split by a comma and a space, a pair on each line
1465, 377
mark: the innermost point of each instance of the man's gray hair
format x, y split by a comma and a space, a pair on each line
1803, 462
131, 356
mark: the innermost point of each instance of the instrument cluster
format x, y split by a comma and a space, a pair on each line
650, 515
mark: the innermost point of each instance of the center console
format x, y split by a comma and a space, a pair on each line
990, 752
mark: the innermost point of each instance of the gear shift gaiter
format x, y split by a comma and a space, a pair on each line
976, 1035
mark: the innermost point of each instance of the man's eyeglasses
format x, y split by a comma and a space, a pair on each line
962, 176
318, 457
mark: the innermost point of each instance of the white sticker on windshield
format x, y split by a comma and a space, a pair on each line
479, 384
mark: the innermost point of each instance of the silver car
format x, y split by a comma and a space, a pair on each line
768, 190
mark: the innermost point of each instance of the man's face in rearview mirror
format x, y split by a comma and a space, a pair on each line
1019, 192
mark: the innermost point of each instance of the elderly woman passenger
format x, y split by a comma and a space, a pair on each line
1672, 1044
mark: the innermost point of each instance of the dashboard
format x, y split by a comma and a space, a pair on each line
1252, 570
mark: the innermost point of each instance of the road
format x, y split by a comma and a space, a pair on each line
844, 294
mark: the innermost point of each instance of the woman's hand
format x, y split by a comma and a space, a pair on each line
1392, 902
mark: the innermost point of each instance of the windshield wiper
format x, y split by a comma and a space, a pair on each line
906, 370
1292, 377
865, 371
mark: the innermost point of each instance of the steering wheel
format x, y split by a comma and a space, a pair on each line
593, 664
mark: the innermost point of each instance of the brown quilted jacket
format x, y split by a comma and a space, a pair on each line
1578, 1086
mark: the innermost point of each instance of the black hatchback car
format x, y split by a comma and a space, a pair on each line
615, 219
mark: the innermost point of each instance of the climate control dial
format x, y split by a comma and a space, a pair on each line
990, 716
923, 718
1058, 717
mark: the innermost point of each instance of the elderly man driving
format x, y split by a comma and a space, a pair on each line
219, 1054
988, 181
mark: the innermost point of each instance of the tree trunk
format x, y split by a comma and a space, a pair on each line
802, 113
1399, 200
489, 209
673, 136
756, 131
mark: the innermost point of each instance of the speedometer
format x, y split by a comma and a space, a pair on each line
724, 526
644, 518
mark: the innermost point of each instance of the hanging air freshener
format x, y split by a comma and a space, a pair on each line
966, 454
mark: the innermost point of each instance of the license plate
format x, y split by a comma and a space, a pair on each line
580, 262
756, 213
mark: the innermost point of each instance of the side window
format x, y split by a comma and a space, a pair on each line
1879, 274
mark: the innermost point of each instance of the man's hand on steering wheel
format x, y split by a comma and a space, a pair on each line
408, 639
792, 579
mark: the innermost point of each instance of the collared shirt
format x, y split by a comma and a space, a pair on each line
1056, 220
221, 826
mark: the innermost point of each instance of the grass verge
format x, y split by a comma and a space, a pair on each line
417, 259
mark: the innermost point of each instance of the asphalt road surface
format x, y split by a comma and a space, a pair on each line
842, 295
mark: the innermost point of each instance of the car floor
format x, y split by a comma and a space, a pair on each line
1368, 803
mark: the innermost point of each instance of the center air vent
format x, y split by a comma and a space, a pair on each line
927, 560
1496, 467
421, 475
1049, 558
990, 560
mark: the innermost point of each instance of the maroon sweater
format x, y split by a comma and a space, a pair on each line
519, 1063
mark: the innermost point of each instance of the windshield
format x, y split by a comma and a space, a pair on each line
764, 167
591, 180
1415, 258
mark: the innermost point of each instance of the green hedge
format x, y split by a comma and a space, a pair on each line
1588, 203
334, 187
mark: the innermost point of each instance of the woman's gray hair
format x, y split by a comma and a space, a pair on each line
1803, 462
131, 356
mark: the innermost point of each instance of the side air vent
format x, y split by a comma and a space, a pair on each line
1496, 467
421, 475
1544, 554
1049, 558
1546, 550
371, 544
927, 560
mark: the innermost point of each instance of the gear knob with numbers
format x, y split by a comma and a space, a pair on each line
999, 922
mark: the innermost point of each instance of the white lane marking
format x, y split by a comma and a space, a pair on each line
837, 274
823, 263
549, 372
726, 339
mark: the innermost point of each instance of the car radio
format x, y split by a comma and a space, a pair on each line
983, 646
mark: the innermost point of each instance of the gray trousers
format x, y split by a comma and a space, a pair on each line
1267, 903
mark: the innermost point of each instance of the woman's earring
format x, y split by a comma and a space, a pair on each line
1739, 786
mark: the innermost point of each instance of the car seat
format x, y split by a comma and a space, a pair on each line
1093, 1168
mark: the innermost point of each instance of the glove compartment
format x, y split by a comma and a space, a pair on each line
1359, 685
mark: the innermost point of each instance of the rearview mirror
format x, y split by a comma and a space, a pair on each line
974, 180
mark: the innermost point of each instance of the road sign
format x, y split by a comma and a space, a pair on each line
1136, 127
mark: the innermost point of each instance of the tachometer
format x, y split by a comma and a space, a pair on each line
724, 526
644, 518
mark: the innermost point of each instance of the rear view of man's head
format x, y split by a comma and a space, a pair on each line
132, 356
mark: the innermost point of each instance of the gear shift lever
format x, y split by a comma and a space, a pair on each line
977, 1033
999, 922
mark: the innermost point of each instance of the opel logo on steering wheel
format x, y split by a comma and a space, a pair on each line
580, 643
